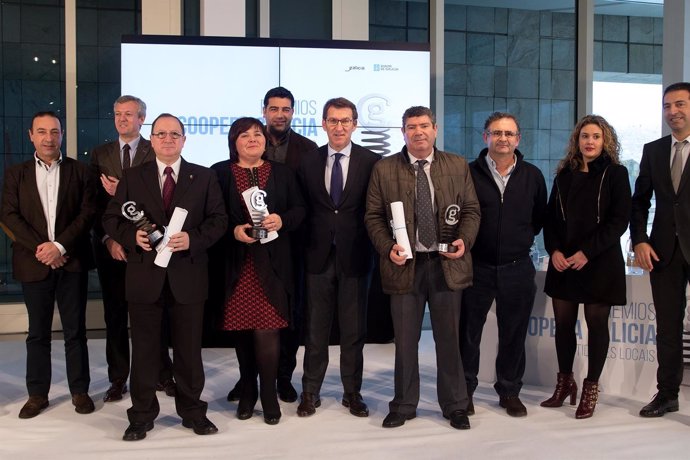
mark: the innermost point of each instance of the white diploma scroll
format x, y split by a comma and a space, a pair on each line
399, 227
254, 198
175, 226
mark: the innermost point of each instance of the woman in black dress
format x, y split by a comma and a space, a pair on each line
588, 211
259, 276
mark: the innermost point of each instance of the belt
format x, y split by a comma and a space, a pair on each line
420, 255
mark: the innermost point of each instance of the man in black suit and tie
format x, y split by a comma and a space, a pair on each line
48, 206
286, 146
107, 163
339, 256
180, 288
666, 251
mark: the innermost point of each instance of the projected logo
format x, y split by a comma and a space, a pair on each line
373, 112
385, 68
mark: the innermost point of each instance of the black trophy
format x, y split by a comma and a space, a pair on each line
449, 229
130, 211
257, 212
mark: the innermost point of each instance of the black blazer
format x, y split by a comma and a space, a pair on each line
273, 260
23, 219
198, 192
298, 146
105, 159
672, 215
344, 224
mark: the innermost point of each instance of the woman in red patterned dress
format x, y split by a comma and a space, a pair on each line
259, 276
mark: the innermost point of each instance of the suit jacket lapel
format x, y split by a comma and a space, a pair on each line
184, 180
114, 158
143, 149
352, 172
31, 190
320, 172
66, 172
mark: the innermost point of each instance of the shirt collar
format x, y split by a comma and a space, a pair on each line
175, 166
133, 144
492, 164
430, 158
345, 151
675, 141
45, 165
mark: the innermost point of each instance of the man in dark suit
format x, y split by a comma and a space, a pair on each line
107, 163
339, 256
48, 206
285, 146
665, 253
181, 287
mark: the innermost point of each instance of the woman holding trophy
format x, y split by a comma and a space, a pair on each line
263, 203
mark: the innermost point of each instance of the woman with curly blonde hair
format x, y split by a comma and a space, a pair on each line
588, 211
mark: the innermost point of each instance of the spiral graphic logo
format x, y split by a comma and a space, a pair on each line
372, 109
452, 213
258, 200
129, 210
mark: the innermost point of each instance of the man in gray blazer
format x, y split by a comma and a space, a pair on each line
665, 253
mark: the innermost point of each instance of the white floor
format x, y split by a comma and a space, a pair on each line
59, 433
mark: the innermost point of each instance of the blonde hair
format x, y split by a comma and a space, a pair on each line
573, 157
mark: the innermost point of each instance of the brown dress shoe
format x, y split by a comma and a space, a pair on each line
308, 405
33, 406
513, 406
116, 390
357, 406
168, 386
83, 404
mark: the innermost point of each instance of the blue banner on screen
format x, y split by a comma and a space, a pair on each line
208, 82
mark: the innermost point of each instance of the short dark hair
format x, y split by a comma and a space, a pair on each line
340, 103
281, 92
499, 116
418, 111
45, 113
238, 127
680, 86
127, 98
166, 115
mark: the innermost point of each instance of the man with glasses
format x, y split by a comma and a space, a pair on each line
512, 195
338, 255
428, 182
180, 287
107, 163
48, 206
286, 146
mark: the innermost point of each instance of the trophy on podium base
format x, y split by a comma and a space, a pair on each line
258, 210
449, 229
131, 212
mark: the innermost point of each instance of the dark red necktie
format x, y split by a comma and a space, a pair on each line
168, 188
126, 160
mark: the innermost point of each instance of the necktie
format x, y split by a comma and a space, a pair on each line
426, 225
336, 179
168, 188
126, 160
677, 165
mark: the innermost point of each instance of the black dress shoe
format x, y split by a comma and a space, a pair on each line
357, 406
33, 406
202, 426
470, 407
396, 419
458, 420
83, 404
168, 386
659, 406
272, 419
234, 394
137, 430
308, 405
286, 392
513, 406
116, 390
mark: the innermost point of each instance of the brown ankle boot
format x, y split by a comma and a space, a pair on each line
565, 386
588, 400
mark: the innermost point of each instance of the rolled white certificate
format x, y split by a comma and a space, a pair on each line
399, 227
175, 226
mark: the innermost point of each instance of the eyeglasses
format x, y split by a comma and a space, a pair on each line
498, 133
344, 122
163, 134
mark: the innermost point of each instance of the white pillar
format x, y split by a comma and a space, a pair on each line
264, 18
350, 20
161, 17
437, 42
70, 149
585, 57
223, 18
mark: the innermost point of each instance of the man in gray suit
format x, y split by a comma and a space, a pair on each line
107, 163
666, 251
